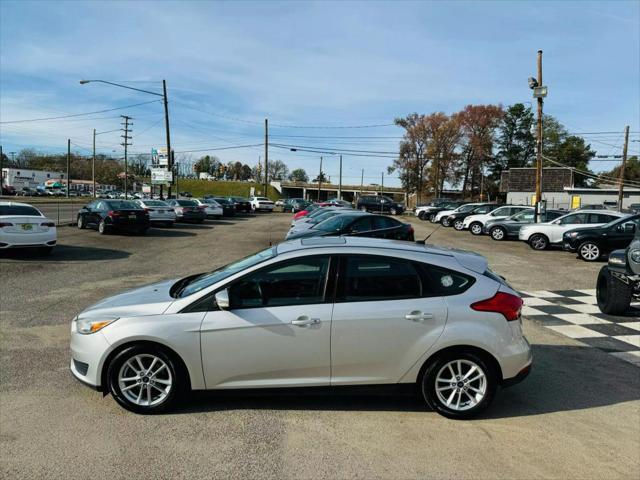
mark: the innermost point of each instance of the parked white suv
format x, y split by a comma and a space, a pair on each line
475, 223
312, 312
540, 236
261, 204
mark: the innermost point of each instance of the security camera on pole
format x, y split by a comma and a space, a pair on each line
539, 92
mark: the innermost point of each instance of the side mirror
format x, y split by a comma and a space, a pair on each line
222, 299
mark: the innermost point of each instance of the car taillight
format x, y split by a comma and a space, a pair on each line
6, 224
48, 224
112, 213
149, 210
505, 303
410, 230
202, 207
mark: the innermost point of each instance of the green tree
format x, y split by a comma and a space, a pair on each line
516, 142
631, 172
278, 170
299, 175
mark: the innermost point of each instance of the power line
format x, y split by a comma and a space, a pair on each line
78, 114
631, 183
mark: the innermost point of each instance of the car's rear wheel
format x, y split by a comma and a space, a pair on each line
103, 229
459, 385
458, 225
421, 215
589, 251
145, 379
81, 224
476, 228
538, 241
498, 233
432, 217
446, 222
393, 211
363, 208
614, 296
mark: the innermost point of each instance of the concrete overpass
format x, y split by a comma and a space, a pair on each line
330, 190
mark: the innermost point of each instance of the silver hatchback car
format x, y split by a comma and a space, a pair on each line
314, 312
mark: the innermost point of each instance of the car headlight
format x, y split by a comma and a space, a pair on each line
87, 326
571, 234
635, 255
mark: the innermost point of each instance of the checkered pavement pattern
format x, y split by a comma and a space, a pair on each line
575, 314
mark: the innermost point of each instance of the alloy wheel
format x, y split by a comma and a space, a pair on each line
497, 234
590, 252
458, 225
461, 385
145, 380
476, 229
538, 242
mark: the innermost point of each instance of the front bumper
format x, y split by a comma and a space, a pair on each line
87, 356
568, 246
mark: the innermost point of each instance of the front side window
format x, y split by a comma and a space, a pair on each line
600, 218
294, 282
334, 224
381, 223
362, 225
370, 278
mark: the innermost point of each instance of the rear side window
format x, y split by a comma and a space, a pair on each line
600, 218
370, 278
380, 223
438, 281
19, 210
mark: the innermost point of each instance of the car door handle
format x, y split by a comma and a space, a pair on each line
303, 321
417, 316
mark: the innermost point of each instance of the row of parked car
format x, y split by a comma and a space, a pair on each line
591, 233
25, 226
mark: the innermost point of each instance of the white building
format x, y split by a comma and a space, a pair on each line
20, 178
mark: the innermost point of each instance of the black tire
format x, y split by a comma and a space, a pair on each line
476, 228
421, 216
429, 383
81, 223
393, 211
538, 241
363, 208
201, 220
498, 234
169, 224
458, 225
446, 222
614, 296
45, 251
589, 251
103, 228
431, 217
142, 231
176, 374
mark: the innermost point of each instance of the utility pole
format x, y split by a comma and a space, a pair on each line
622, 167
93, 164
166, 126
320, 180
381, 191
340, 181
126, 143
68, 165
266, 155
361, 181
419, 171
1, 174
539, 143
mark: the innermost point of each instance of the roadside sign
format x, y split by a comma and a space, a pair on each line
575, 202
163, 158
161, 176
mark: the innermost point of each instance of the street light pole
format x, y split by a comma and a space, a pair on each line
539, 143
320, 180
622, 167
166, 126
340, 181
93, 164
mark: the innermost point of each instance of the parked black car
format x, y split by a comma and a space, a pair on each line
187, 211
186, 194
430, 212
591, 243
456, 220
110, 215
379, 204
506, 228
357, 224
241, 204
618, 282
228, 207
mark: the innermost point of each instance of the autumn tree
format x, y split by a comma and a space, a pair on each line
278, 170
444, 134
299, 175
412, 159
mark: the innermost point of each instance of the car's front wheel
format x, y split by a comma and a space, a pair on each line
476, 228
458, 225
459, 385
498, 233
538, 241
144, 379
81, 223
446, 222
589, 251
421, 215
614, 296
393, 211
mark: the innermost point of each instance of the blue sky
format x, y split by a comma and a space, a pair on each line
229, 65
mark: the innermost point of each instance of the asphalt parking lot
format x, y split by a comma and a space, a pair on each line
576, 416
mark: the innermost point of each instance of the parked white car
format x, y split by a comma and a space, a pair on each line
461, 209
540, 236
160, 212
211, 208
405, 313
261, 204
24, 226
475, 223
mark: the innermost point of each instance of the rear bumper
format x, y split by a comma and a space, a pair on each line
524, 373
28, 240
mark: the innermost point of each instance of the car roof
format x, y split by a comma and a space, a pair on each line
467, 259
16, 204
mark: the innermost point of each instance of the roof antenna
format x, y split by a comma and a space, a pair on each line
423, 242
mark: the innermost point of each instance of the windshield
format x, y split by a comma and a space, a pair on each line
116, 205
466, 208
203, 281
334, 224
324, 215
620, 220
19, 210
